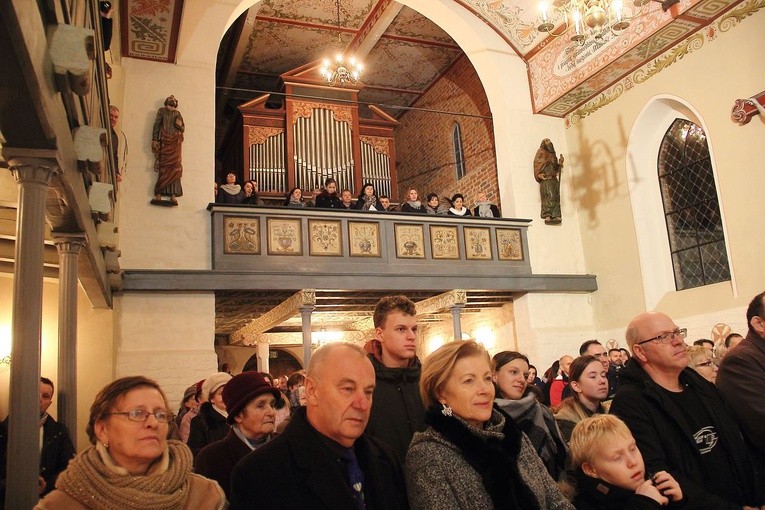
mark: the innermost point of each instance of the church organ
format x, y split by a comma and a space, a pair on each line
316, 133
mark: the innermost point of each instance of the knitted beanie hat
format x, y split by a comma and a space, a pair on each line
243, 388
214, 382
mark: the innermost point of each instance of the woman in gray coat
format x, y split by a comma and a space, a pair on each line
472, 456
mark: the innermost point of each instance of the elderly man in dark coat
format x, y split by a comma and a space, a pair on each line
740, 381
323, 460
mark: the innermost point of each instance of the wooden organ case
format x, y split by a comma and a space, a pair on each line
316, 134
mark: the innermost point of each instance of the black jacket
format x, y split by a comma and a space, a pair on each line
397, 410
594, 494
298, 471
327, 201
667, 442
57, 451
208, 426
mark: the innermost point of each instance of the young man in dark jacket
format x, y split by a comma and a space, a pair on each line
57, 448
679, 420
397, 410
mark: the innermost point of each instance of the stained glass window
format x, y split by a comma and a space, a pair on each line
691, 210
459, 154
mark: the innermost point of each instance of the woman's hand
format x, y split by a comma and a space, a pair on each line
668, 486
647, 489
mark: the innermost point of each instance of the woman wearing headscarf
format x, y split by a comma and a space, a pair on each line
131, 464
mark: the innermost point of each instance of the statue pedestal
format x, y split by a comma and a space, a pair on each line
163, 202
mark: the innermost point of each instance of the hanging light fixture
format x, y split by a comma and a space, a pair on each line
588, 18
337, 71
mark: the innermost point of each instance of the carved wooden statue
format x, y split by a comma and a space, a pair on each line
166, 142
547, 170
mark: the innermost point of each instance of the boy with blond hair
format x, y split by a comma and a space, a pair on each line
610, 469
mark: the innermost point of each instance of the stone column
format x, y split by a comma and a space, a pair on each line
69, 246
456, 310
305, 314
32, 176
263, 353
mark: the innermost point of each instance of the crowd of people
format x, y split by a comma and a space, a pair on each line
329, 197
658, 424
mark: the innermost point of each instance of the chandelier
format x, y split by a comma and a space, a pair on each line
337, 71
588, 18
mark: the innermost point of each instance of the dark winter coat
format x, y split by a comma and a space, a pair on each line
742, 372
667, 443
594, 494
458, 467
207, 427
397, 410
328, 201
298, 470
57, 451
216, 461
409, 208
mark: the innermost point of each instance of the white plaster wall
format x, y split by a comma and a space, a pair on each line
94, 350
706, 81
168, 337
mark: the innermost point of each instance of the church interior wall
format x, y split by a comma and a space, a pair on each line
167, 337
424, 143
178, 238
603, 170
95, 349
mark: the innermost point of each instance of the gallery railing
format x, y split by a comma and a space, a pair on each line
280, 240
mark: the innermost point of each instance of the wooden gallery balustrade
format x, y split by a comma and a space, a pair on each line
279, 247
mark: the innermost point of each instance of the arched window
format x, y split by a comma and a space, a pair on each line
459, 154
691, 211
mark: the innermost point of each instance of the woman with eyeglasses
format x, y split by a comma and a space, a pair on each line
700, 359
131, 463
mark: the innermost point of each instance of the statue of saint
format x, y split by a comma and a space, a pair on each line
166, 141
547, 170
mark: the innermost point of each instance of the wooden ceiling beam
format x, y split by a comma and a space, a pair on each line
378, 21
275, 316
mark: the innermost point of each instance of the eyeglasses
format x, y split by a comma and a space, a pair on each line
666, 338
141, 415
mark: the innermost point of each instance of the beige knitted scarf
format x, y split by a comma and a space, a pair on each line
94, 480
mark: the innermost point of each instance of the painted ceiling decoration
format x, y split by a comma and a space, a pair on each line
404, 53
151, 31
672, 55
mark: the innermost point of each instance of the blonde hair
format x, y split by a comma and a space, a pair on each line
697, 354
438, 367
589, 434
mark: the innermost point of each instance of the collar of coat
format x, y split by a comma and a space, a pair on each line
493, 456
